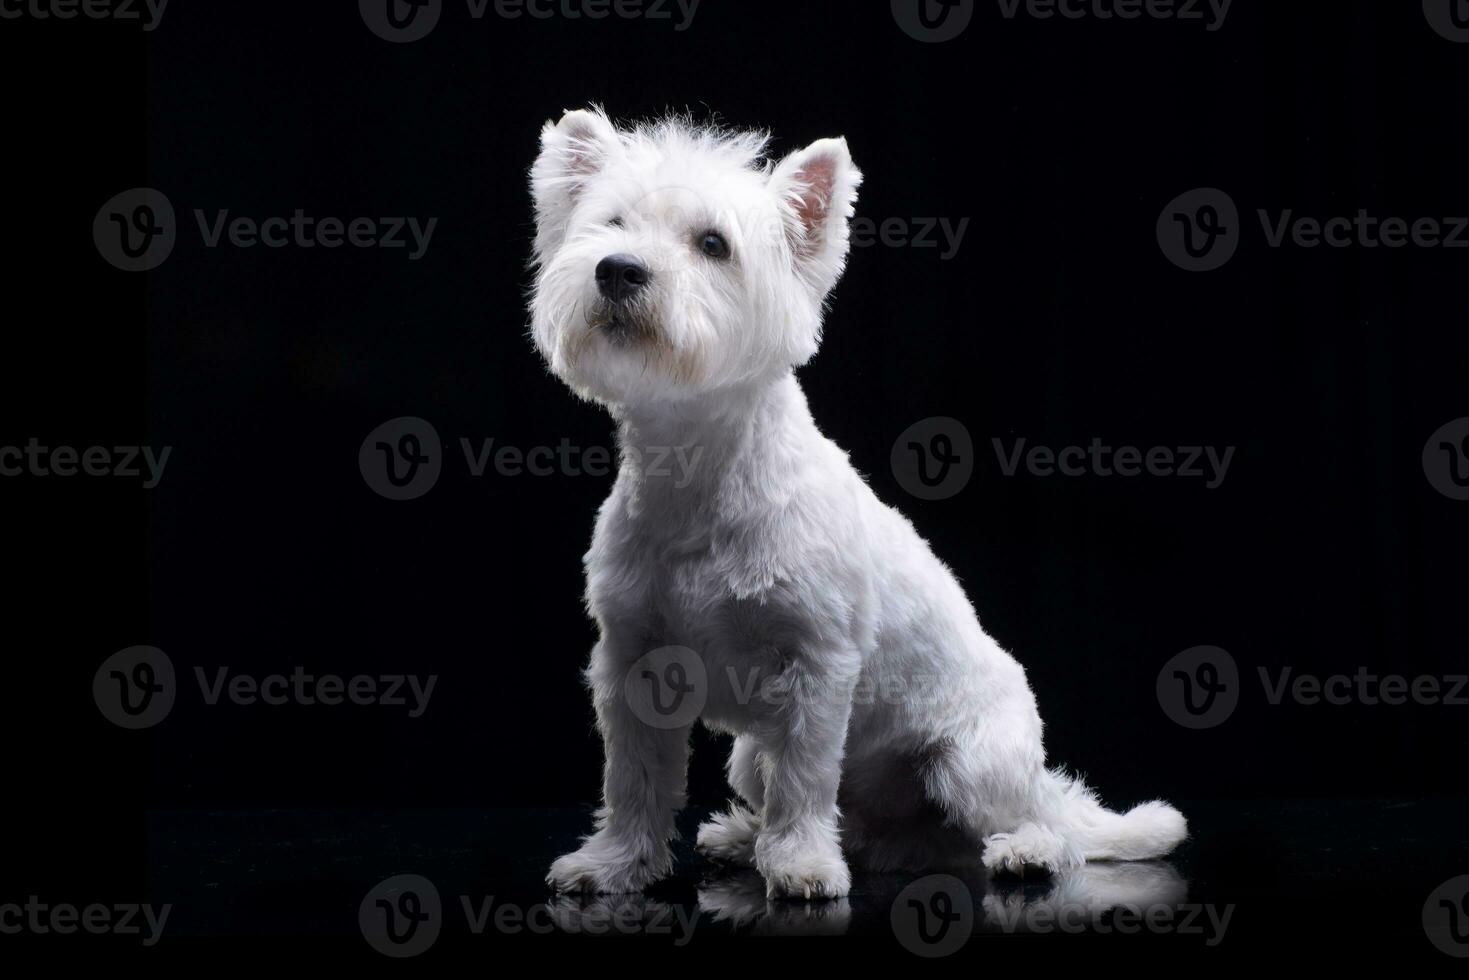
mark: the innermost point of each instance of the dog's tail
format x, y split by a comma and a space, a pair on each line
1148, 830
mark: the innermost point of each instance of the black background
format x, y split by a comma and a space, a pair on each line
1058, 320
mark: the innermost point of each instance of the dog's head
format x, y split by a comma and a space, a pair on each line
672, 260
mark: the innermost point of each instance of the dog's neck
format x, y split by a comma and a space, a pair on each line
693, 452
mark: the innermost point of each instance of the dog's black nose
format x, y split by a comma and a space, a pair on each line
620, 276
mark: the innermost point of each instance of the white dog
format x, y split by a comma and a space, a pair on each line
680, 280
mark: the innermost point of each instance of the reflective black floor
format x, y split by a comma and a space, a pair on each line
1324, 879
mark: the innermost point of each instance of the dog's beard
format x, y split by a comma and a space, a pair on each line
632, 327
622, 323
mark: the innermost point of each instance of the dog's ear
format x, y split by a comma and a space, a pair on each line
817, 189
573, 151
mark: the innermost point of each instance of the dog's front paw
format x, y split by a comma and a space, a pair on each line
815, 883
606, 867
817, 879
802, 870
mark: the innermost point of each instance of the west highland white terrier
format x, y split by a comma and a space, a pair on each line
680, 281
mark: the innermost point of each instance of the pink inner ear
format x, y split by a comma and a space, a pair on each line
816, 179
584, 153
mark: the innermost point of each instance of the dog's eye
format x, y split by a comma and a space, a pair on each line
712, 244
615, 222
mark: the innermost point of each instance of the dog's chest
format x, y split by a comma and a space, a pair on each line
707, 583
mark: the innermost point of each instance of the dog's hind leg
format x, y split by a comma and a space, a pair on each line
730, 836
997, 789
1030, 819
743, 769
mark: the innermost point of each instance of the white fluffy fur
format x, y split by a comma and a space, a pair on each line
912, 738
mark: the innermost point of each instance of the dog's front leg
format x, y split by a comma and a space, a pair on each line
643, 788
798, 850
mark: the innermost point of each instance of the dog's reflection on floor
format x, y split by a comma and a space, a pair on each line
737, 901
1080, 897
603, 915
